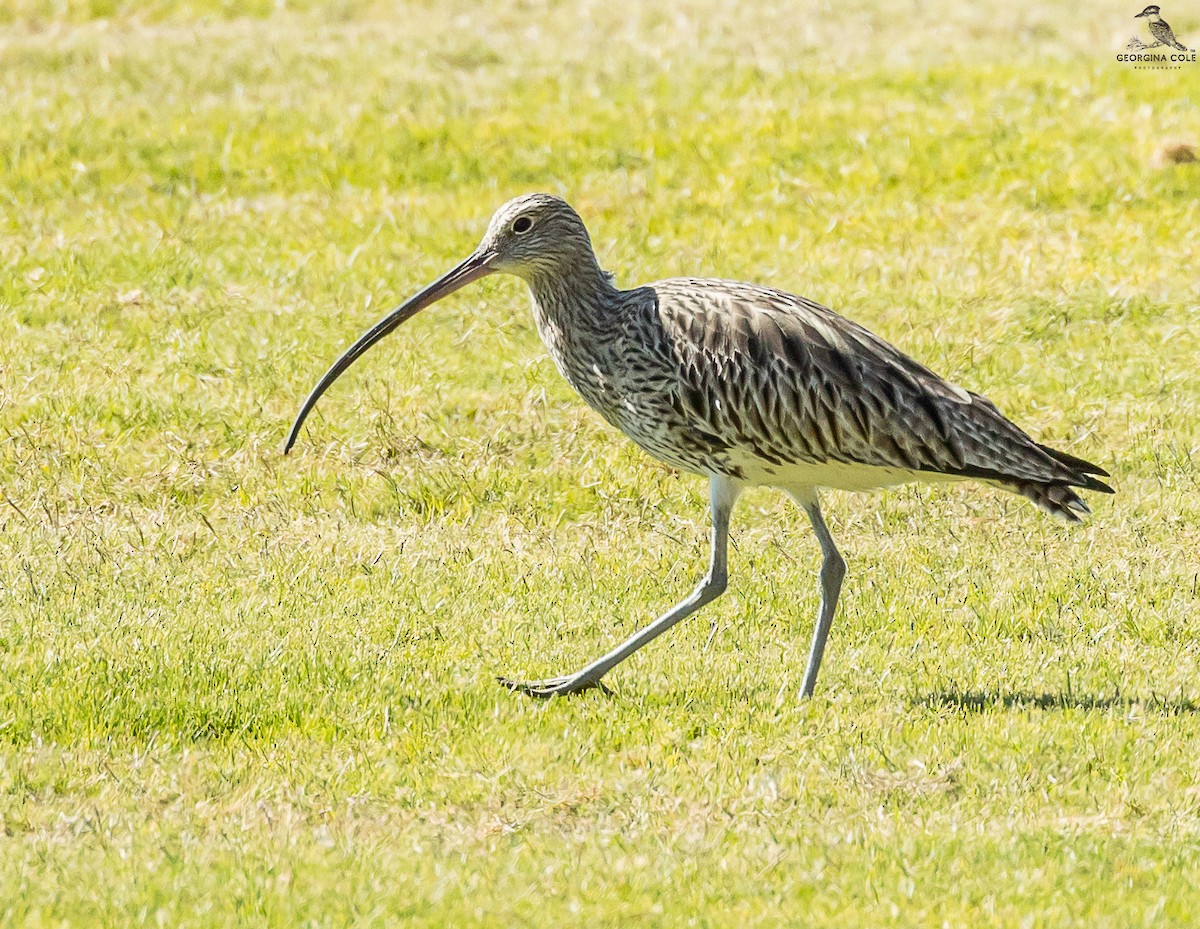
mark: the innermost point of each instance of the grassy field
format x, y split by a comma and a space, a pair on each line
238, 689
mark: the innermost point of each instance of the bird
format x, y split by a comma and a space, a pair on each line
1159, 28
746, 386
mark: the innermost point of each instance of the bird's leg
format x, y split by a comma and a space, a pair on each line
723, 493
833, 570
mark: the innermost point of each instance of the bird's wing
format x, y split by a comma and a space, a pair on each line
791, 380
1161, 31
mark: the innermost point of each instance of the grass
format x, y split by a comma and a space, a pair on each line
238, 689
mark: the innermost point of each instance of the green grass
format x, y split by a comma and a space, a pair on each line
243, 690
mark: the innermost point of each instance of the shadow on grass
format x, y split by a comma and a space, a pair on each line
976, 701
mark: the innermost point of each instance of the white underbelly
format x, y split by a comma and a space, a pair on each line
833, 474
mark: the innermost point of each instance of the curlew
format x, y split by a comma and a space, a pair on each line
746, 386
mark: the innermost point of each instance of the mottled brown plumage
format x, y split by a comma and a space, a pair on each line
747, 386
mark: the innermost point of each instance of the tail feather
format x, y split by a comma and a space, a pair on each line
1084, 468
1081, 465
1058, 497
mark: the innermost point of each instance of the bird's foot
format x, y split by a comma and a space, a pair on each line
555, 686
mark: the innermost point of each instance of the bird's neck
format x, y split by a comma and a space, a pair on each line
576, 294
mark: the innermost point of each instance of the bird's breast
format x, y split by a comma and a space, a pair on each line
619, 374
583, 362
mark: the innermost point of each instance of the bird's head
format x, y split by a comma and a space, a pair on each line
534, 236
1149, 11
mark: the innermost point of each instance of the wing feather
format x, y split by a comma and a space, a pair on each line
834, 391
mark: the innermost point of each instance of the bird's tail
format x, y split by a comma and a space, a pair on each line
1058, 498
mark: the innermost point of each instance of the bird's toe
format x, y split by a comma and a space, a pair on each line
554, 686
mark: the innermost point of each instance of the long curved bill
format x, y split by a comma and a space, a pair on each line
472, 269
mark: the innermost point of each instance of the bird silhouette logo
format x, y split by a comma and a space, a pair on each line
1160, 31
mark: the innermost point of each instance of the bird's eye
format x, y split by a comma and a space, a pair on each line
522, 224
